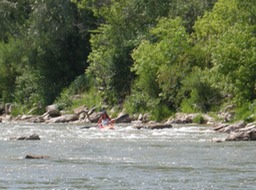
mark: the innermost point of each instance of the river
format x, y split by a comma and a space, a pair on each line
125, 158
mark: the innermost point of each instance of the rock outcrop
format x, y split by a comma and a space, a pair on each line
239, 131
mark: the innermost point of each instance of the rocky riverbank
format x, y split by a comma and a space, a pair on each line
83, 114
239, 131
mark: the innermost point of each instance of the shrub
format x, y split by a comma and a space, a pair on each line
198, 94
84, 86
247, 112
199, 119
139, 102
29, 92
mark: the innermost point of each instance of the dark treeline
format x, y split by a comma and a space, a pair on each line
152, 56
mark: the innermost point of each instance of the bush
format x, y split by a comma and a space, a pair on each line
139, 102
29, 92
136, 103
199, 119
161, 112
247, 112
84, 86
90, 98
198, 94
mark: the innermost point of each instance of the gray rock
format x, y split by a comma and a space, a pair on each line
152, 126
238, 136
63, 119
123, 118
52, 111
30, 156
30, 137
228, 128
79, 110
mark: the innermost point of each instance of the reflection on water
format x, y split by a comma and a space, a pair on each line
179, 158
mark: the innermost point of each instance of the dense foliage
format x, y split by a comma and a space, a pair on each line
44, 46
152, 56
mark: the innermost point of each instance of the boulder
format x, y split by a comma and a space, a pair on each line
6, 118
243, 135
30, 137
30, 156
63, 119
252, 135
236, 126
52, 111
80, 110
227, 128
91, 111
220, 127
217, 140
31, 118
123, 118
94, 117
182, 118
238, 136
250, 126
143, 117
81, 116
37, 119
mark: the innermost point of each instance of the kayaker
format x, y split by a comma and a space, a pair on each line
105, 121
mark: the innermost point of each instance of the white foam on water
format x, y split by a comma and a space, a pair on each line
125, 158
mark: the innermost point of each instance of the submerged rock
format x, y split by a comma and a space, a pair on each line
30, 137
217, 140
152, 126
30, 156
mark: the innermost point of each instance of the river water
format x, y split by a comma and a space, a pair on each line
125, 158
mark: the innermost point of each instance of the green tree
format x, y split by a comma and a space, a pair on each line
13, 15
227, 36
124, 25
162, 63
57, 40
197, 92
110, 60
8, 70
48, 38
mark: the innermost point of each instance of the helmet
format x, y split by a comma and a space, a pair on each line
103, 112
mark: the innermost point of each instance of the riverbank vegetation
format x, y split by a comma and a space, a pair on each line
157, 57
